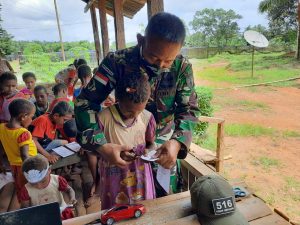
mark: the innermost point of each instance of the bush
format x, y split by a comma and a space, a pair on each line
204, 102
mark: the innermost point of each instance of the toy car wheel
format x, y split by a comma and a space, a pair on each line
110, 221
137, 213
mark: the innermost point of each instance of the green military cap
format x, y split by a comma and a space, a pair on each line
214, 203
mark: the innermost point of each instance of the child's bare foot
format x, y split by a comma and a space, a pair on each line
93, 189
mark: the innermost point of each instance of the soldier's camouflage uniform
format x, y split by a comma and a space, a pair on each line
173, 100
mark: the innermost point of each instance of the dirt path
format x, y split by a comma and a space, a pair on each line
269, 164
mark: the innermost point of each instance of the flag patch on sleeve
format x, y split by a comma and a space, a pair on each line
101, 78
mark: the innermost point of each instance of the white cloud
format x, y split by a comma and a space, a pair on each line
35, 19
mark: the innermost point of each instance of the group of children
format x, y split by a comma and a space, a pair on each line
30, 127
28, 143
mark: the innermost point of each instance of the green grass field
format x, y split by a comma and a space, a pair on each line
236, 69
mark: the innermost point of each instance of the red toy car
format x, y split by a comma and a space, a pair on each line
121, 212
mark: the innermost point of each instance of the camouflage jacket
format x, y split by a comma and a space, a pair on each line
173, 100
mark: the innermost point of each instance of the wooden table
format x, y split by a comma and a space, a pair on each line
66, 161
176, 210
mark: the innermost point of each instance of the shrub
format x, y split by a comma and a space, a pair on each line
204, 102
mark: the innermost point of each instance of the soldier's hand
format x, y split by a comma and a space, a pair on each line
112, 153
167, 153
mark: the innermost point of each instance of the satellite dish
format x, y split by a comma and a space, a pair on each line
88, 5
256, 39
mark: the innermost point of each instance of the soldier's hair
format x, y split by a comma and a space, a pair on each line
134, 86
7, 76
166, 26
78, 62
58, 88
84, 71
27, 75
62, 109
38, 162
39, 88
20, 106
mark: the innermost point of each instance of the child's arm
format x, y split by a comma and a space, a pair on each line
24, 152
63, 186
51, 158
150, 134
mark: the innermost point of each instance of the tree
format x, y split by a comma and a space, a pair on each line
5, 39
282, 15
216, 26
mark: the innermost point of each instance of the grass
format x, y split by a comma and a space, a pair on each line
246, 130
267, 162
208, 140
268, 67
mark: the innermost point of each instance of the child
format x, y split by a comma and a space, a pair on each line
8, 92
41, 100
44, 187
44, 129
60, 92
16, 139
84, 75
29, 80
128, 123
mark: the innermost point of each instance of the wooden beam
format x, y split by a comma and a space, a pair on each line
119, 24
96, 33
220, 148
154, 6
104, 29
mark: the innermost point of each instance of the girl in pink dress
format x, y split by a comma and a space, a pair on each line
128, 123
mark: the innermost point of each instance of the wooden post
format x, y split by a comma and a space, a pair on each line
59, 32
96, 33
154, 6
104, 29
119, 24
220, 148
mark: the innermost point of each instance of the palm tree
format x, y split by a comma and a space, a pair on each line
265, 6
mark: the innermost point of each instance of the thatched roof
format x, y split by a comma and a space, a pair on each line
130, 7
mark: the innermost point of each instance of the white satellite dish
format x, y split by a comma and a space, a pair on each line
255, 39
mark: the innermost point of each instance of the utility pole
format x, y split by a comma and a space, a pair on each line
59, 31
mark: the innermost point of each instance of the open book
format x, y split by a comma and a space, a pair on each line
67, 150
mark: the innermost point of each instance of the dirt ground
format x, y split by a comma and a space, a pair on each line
278, 183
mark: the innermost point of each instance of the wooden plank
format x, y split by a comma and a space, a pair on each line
154, 6
195, 166
253, 208
119, 24
211, 119
103, 25
72, 159
96, 33
188, 220
273, 219
162, 213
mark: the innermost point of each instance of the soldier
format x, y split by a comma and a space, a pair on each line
173, 100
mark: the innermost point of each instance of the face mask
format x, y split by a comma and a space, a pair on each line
154, 68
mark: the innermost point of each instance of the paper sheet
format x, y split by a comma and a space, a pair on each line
149, 156
163, 177
74, 146
62, 151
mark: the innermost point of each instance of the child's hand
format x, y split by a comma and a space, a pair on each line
112, 153
52, 158
128, 156
73, 202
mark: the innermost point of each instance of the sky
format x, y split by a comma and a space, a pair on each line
35, 19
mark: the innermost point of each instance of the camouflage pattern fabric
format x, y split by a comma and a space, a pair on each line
173, 100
